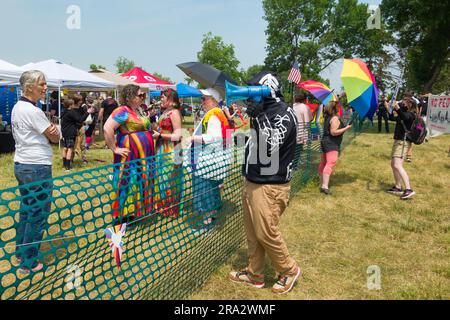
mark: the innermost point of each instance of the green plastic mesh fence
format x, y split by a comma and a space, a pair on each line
150, 229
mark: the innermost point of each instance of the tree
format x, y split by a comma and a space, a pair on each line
219, 55
294, 32
349, 37
421, 29
94, 67
123, 64
159, 75
318, 32
251, 71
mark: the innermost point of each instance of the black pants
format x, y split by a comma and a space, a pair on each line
386, 121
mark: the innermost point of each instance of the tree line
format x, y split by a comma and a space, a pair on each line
413, 37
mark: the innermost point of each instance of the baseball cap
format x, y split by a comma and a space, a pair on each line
210, 92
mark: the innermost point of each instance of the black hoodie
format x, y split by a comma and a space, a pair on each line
270, 150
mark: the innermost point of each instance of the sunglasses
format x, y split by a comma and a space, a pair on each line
142, 95
204, 98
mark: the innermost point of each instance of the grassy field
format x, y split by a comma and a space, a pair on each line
335, 239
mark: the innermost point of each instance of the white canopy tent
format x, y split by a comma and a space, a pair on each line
117, 79
9, 71
61, 75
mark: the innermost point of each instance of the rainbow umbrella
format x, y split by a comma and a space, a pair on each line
360, 86
320, 91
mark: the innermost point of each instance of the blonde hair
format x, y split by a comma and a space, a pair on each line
331, 108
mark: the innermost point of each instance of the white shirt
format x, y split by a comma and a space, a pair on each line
304, 117
28, 125
213, 131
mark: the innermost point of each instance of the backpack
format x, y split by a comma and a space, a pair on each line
418, 131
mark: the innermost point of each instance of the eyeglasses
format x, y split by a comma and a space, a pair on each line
142, 95
204, 98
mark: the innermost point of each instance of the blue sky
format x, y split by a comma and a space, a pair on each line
155, 34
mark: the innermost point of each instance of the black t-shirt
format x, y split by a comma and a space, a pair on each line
72, 122
407, 118
381, 108
424, 105
55, 106
153, 119
330, 142
108, 105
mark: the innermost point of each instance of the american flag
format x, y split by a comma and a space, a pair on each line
295, 75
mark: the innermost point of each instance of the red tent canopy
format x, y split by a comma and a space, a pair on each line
140, 76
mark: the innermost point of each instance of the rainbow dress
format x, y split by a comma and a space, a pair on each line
132, 175
169, 171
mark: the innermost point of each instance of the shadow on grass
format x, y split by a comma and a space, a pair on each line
378, 186
340, 178
374, 129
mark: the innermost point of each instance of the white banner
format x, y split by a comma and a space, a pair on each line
438, 113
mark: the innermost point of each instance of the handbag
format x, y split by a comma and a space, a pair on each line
89, 120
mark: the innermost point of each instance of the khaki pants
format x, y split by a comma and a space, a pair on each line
263, 205
80, 148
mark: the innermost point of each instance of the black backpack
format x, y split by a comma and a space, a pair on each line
418, 131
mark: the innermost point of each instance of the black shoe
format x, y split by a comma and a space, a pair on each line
325, 191
395, 190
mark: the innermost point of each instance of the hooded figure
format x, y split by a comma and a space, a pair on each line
271, 150
268, 170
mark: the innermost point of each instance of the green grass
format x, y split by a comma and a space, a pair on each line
335, 239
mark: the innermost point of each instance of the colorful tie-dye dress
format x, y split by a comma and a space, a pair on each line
133, 174
169, 171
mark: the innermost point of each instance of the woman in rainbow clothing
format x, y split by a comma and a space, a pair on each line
211, 157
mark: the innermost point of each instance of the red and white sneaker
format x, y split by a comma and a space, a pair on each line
244, 276
286, 283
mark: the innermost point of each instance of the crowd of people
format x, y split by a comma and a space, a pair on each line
149, 162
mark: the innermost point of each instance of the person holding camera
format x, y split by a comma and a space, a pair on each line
268, 170
405, 119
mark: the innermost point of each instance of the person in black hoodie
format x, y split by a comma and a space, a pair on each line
268, 169
406, 116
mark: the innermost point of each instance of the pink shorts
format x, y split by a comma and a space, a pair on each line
327, 162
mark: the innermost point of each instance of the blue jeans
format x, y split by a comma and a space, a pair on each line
35, 187
206, 197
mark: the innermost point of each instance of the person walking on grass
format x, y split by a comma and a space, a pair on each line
406, 116
267, 186
333, 132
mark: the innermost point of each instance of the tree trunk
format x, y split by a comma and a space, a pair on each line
428, 87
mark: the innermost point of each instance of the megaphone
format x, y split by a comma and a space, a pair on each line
238, 93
